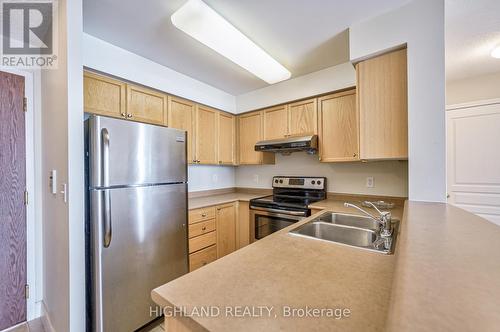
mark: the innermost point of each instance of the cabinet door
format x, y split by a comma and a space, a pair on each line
303, 118
226, 229
276, 122
226, 138
181, 115
250, 132
206, 135
338, 134
243, 225
383, 106
103, 95
145, 105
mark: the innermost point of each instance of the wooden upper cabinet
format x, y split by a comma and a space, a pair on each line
226, 138
103, 95
181, 115
303, 118
338, 127
145, 105
383, 106
226, 229
206, 135
250, 132
276, 122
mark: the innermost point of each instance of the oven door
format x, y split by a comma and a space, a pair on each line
266, 221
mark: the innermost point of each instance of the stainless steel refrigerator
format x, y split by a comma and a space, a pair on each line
136, 218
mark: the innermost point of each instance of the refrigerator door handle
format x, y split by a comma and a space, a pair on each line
106, 204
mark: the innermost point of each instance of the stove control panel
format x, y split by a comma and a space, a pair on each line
318, 183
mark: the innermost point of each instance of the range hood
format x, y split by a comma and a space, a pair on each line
289, 145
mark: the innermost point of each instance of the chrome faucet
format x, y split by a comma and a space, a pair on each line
385, 219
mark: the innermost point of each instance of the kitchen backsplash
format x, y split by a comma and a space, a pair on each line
390, 178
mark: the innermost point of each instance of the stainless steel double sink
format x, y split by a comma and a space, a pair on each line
350, 230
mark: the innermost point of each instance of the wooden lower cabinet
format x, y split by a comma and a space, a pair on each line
201, 214
216, 231
202, 241
201, 228
243, 225
226, 229
202, 257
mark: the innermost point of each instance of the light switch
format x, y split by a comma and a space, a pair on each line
53, 181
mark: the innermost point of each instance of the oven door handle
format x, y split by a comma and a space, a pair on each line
292, 213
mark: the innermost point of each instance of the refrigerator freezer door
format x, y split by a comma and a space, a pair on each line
137, 153
147, 248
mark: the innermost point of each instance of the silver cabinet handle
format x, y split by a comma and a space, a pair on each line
106, 204
129, 115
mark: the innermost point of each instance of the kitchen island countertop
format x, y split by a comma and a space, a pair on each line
444, 275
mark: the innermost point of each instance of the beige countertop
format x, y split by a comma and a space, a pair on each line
447, 275
204, 201
283, 270
444, 275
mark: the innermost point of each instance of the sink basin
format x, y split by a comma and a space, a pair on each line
348, 220
350, 230
343, 234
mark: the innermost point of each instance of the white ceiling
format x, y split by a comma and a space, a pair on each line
303, 35
472, 31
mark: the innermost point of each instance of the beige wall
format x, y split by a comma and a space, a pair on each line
62, 150
390, 177
473, 89
419, 25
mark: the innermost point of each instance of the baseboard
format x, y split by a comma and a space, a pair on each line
47, 324
13, 328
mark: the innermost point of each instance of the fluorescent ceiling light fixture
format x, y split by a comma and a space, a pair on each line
496, 52
204, 24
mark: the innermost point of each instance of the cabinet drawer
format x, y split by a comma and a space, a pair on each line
201, 214
202, 241
201, 228
202, 257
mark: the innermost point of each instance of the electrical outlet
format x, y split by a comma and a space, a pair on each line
256, 178
370, 182
215, 178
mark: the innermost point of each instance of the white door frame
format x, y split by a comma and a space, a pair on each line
34, 247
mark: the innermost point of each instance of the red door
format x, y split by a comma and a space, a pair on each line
12, 207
